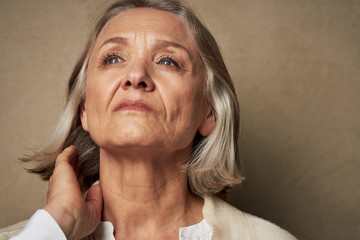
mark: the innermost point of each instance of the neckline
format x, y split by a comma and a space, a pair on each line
105, 230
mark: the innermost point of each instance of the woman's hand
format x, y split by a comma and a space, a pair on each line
77, 217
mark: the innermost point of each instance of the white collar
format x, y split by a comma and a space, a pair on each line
199, 231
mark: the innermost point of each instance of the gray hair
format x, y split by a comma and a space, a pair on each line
214, 164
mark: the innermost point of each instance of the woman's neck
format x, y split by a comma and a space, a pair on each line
147, 197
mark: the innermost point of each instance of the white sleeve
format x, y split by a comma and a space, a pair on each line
41, 226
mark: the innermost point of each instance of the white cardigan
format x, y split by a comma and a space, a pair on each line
227, 222
230, 223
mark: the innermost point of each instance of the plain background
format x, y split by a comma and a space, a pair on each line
296, 67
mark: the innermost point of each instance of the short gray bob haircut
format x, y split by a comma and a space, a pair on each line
214, 164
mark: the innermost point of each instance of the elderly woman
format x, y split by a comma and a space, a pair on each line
152, 114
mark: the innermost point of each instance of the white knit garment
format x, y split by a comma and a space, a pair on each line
199, 231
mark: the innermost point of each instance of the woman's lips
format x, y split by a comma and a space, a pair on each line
134, 105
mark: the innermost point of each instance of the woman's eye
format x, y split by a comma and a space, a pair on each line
113, 60
166, 62
169, 62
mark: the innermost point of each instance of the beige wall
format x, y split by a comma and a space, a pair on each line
296, 66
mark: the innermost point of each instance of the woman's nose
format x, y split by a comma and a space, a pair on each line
138, 77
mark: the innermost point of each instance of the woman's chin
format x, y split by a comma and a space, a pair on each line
130, 143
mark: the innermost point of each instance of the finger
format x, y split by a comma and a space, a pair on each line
94, 203
68, 155
94, 197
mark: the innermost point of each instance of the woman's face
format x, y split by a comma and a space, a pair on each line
145, 84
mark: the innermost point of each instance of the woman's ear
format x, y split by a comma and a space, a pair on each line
208, 125
83, 117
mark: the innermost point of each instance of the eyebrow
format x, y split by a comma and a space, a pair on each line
121, 40
164, 44
159, 44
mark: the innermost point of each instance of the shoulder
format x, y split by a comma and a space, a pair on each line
261, 229
10, 231
230, 223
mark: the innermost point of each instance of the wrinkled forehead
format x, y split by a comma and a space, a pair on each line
147, 24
